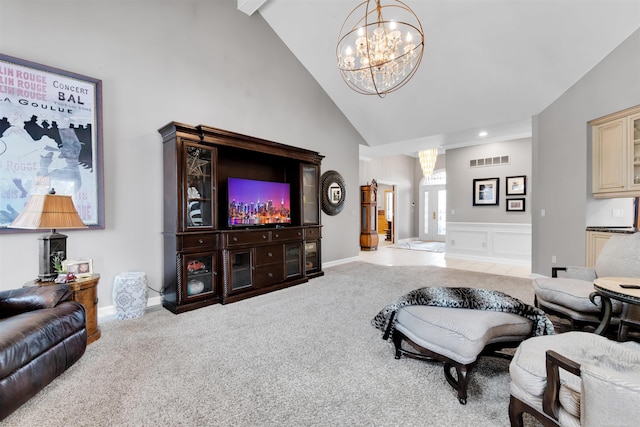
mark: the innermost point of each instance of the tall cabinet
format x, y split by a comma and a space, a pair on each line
369, 216
616, 154
206, 261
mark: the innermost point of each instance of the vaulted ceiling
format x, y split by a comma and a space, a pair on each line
488, 65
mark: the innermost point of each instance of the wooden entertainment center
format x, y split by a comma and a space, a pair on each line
209, 258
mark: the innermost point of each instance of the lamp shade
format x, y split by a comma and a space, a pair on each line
48, 211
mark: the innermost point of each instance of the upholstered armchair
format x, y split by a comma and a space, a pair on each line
566, 293
575, 379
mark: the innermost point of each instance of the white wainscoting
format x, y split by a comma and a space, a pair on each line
491, 242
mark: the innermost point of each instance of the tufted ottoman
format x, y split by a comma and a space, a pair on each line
457, 337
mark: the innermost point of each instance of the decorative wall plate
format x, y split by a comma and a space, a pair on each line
334, 193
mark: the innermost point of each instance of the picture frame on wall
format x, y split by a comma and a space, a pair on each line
515, 205
50, 138
516, 185
486, 192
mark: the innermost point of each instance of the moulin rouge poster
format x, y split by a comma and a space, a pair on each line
50, 137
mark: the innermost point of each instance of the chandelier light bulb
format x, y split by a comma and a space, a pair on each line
381, 61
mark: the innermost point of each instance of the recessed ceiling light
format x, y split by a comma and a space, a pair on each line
483, 133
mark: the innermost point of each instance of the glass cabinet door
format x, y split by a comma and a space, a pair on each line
310, 204
199, 186
241, 269
292, 260
311, 256
635, 161
200, 274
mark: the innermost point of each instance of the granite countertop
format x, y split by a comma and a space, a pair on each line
622, 230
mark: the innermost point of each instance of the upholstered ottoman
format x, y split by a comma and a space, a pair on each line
457, 337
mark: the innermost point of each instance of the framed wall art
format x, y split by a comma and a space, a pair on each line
516, 185
50, 138
486, 191
515, 205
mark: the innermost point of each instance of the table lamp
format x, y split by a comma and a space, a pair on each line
49, 211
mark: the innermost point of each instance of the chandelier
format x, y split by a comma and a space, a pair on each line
379, 48
428, 159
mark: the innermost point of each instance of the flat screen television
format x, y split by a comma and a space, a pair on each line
254, 203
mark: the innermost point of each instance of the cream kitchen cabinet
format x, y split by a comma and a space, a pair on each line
616, 154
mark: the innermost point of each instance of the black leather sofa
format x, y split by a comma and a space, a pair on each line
42, 333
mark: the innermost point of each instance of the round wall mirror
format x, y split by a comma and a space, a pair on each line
334, 193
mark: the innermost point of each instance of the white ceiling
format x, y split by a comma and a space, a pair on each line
488, 64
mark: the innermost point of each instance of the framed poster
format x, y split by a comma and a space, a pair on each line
516, 185
515, 205
486, 191
50, 137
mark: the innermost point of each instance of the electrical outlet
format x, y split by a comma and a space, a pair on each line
553, 259
542, 212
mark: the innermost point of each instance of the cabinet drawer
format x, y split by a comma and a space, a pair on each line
247, 237
269, 255
199, 241
269, 275
311, 233
287, 234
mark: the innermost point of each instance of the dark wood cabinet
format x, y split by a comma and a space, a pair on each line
209, 258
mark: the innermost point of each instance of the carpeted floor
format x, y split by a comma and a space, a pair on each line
302, 356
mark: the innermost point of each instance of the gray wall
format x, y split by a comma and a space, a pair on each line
460, 181
189, 61
402, 172
562, 156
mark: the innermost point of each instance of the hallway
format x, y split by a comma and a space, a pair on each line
388, 255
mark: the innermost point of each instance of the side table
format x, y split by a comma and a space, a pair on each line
609, 287
85, 292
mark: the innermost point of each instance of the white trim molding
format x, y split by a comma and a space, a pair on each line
492, 242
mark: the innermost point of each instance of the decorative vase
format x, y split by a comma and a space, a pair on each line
194, 287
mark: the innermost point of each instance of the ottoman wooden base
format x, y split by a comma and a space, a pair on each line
457, 337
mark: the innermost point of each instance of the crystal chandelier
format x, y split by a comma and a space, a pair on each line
379, 48
428, 159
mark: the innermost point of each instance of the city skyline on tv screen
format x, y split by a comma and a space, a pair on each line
253, 202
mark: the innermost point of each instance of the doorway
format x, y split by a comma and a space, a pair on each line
386, 213
433, 208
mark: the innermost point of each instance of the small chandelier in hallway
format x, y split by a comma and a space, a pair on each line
428, 159
380, 47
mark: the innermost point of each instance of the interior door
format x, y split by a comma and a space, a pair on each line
433, 213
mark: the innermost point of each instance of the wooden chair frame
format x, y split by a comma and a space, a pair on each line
551, 396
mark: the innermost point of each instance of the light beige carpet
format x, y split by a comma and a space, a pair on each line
302, 356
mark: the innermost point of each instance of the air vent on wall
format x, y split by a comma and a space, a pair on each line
489, 161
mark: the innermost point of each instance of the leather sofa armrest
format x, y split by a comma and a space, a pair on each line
551, 396
21, 300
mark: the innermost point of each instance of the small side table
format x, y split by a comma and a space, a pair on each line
609, 287
85, 292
